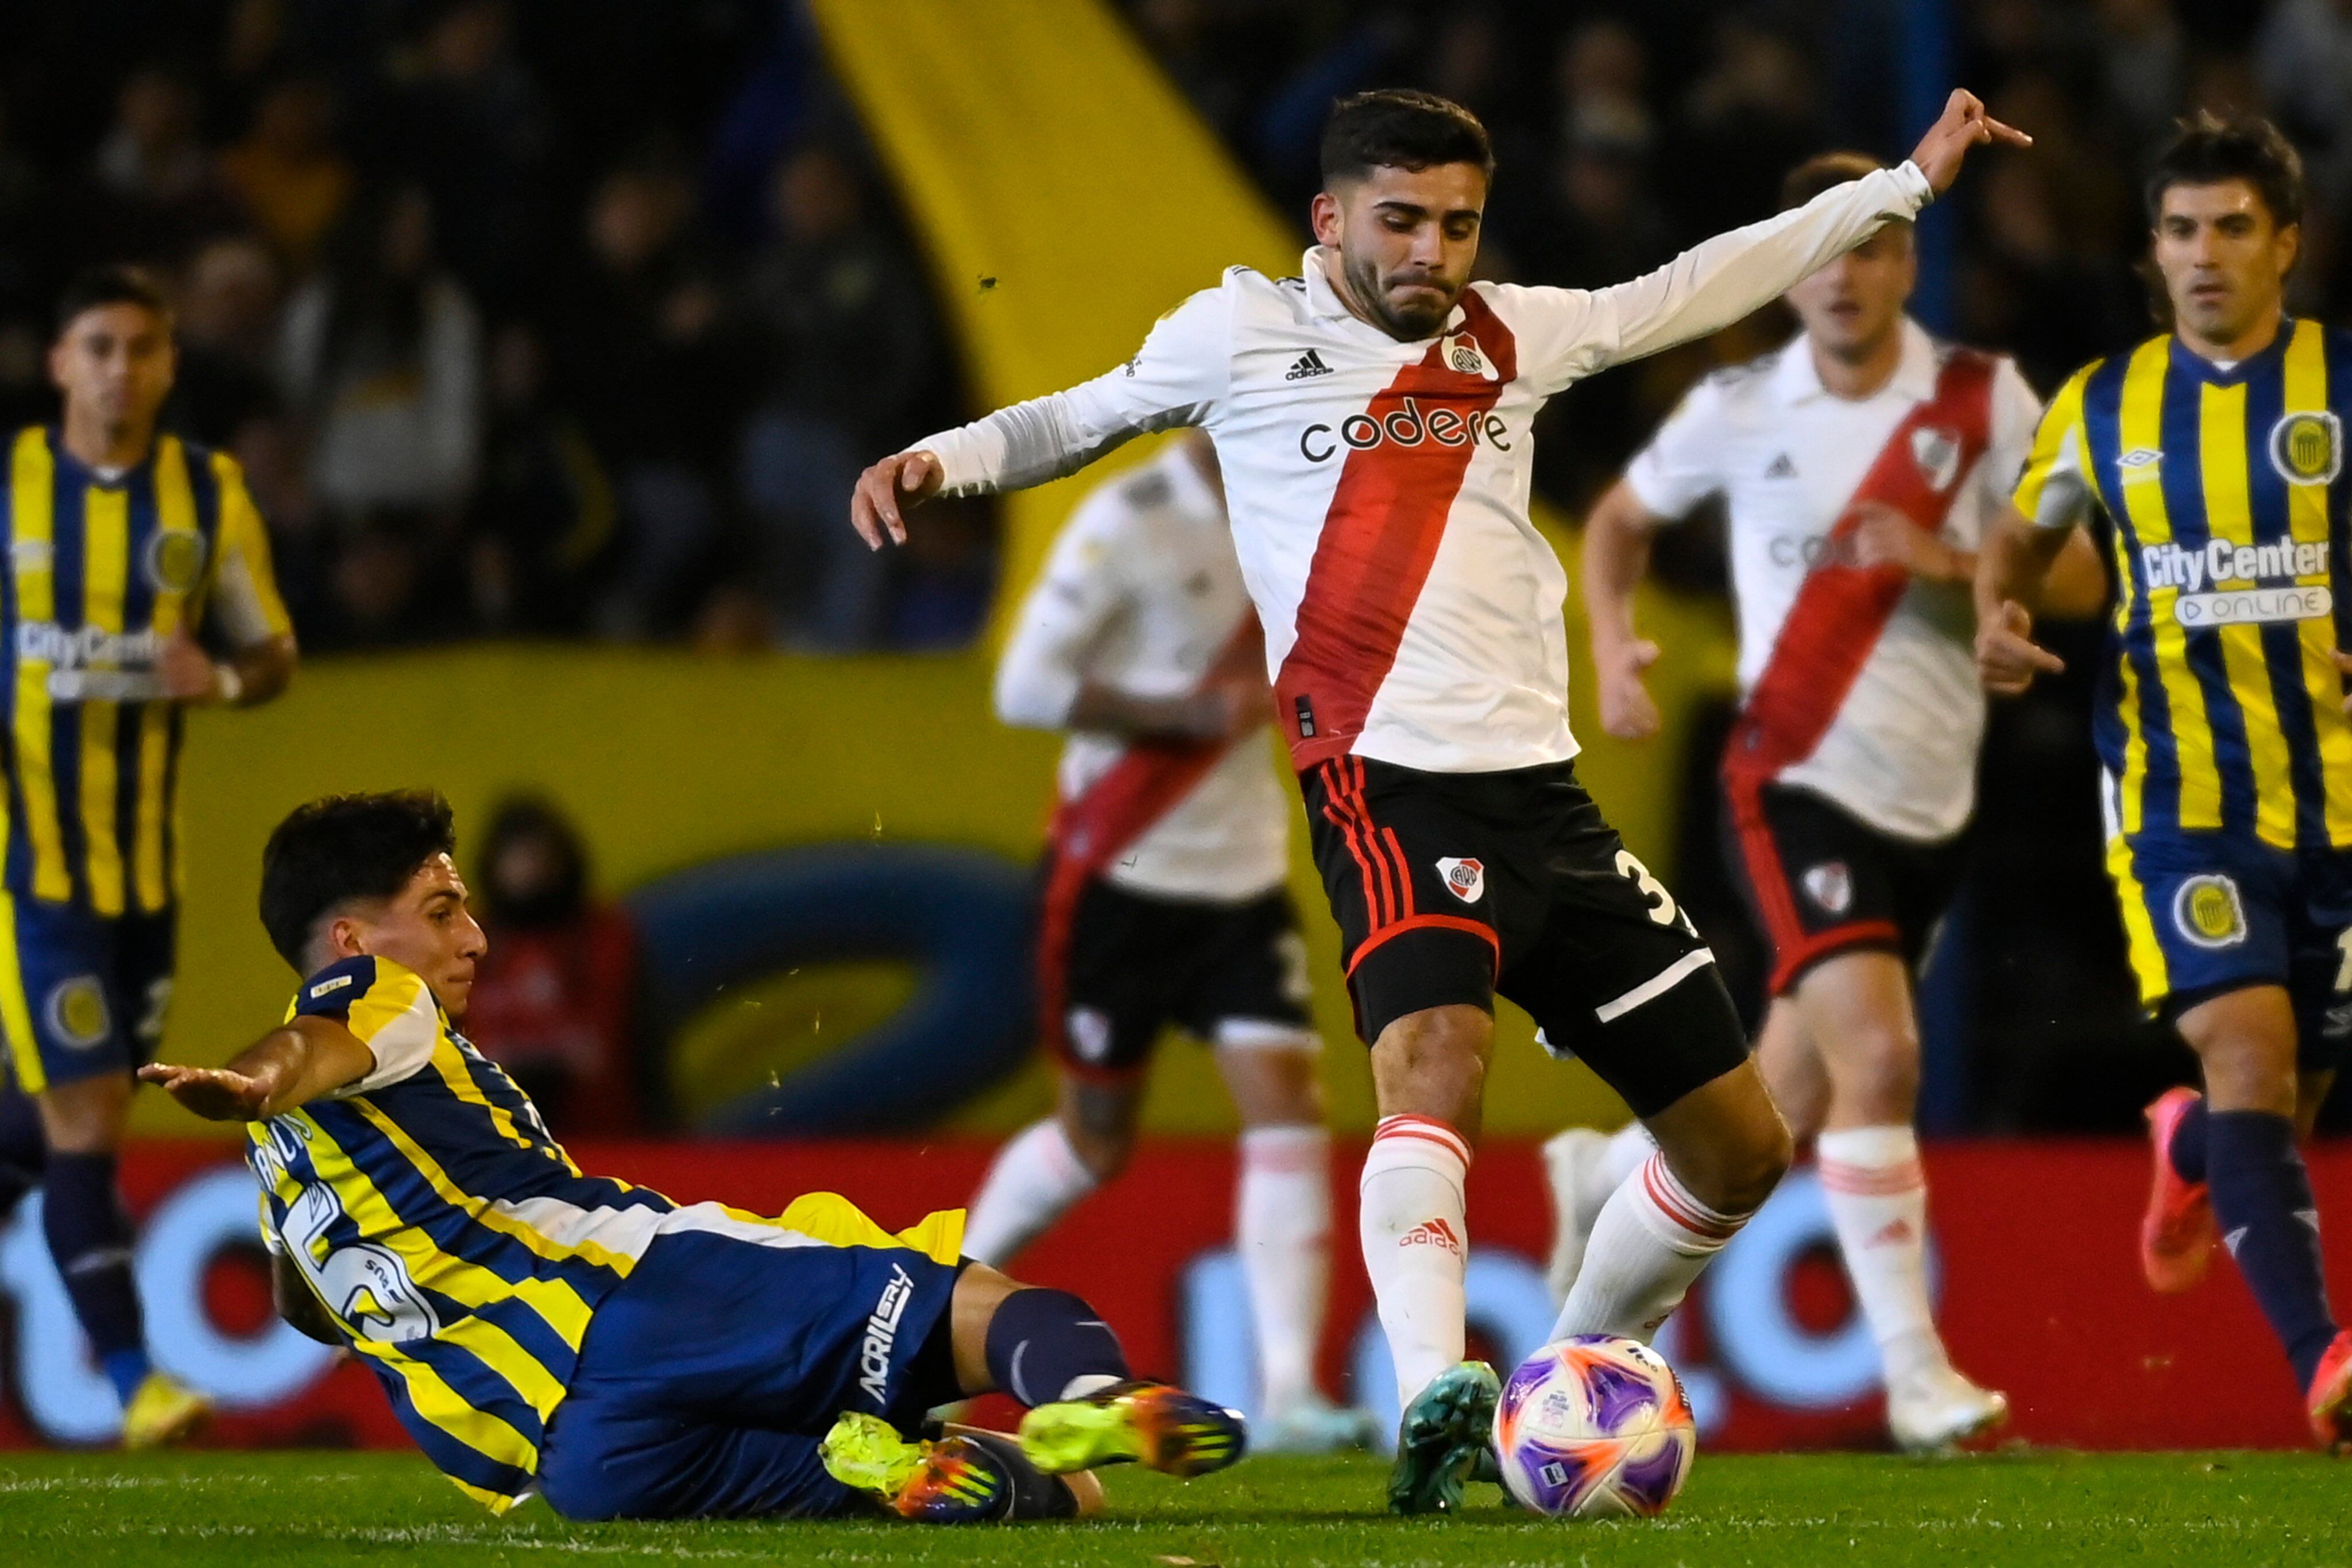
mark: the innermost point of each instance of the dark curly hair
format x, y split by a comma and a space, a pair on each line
2206, 149
1400, 129
329, 852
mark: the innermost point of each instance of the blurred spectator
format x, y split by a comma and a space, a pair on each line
830, 291
151, 194
228, 320
287, 173
381, 360
2145, 61
1747, 119
2303, 61
473, 127
543, 517
647, 364
554, 998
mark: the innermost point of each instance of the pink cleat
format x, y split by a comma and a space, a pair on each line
2178, 1233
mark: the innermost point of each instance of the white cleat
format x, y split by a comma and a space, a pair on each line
1313, 1425
1576, 1164
1938, 1410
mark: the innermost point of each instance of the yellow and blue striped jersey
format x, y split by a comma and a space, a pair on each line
456, 1247
2220, 707
102, 570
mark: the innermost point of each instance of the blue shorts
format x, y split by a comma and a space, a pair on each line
705, 1381
2210, 913
81, 994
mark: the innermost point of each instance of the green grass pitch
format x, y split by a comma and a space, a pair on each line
189, 1511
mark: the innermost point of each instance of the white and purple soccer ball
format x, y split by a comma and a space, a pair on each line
1594, 1427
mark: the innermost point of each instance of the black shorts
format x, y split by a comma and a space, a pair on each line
1452, 887
1127, 965
1820, 881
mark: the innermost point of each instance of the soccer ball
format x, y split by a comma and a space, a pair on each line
1594, 1427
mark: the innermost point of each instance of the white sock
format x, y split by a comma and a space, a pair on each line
1651, 1242
1628, 1147
1410, 1218
1877, 1198
1282, 1227
1035, 1179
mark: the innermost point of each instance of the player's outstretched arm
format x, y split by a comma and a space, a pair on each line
2013, 567
1180, 371
307, 1058
1722, 279
1615, 558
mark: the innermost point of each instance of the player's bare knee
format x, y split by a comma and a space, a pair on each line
1433, 1063
1875, 1077
1274, 1083
86, 1116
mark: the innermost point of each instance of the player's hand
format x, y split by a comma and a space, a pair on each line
213, 1093
1964, 124
1627, 711
2344, 667
2008, 658
1228, 709
186, 671
1884, 537
887, 491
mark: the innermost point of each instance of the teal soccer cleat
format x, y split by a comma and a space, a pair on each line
1446, 1429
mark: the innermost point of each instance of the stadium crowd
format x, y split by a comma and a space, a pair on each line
549, 320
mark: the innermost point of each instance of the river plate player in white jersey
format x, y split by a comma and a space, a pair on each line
1858, 463
1371, 420
1164, 902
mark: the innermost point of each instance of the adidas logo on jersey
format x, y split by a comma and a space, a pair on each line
1432, 1233
1309, 363
1781, 467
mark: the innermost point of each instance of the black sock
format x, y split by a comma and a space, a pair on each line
2270, 1222
23, 1150
90, 1237
2186, 1150
1040, 1341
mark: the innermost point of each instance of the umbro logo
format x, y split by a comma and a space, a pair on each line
1781, 467
1309, 363
1432, 1233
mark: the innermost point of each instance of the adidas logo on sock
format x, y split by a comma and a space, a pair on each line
1897, 1230
1309, 363
1781, 467
1432, 1233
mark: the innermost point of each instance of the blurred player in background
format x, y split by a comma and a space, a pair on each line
1165, 903
133, 559
2217, 451
1858, 463
1371, 418
539, 1330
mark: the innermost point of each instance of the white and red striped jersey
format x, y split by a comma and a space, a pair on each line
1142, 595
1883, 713
1378, 490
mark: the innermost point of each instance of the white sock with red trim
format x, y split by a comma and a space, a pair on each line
1651, 1242
1033, 1182
1877, 1197
1282, 1229
1410, 1218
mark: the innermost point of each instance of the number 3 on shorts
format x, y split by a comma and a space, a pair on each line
1663, 911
